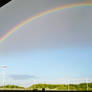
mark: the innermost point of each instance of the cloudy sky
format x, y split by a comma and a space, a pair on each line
53, 46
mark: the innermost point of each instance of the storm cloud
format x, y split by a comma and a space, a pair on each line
62, 29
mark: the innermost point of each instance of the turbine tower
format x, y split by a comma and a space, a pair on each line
3, 74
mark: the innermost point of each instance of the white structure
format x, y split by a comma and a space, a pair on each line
3, 74
87, 83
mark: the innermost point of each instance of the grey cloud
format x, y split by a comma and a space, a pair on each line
68, 28
19, 10
22, 77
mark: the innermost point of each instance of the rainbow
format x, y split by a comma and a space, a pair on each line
14, 29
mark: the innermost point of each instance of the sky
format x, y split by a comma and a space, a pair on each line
51, 47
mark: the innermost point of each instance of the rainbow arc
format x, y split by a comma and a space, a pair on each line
47, 12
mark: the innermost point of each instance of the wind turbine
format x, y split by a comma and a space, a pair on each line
3, 74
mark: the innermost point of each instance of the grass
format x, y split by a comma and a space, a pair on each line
61, 87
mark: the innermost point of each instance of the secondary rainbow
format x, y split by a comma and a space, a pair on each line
14, 29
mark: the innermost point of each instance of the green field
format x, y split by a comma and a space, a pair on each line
63, 87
